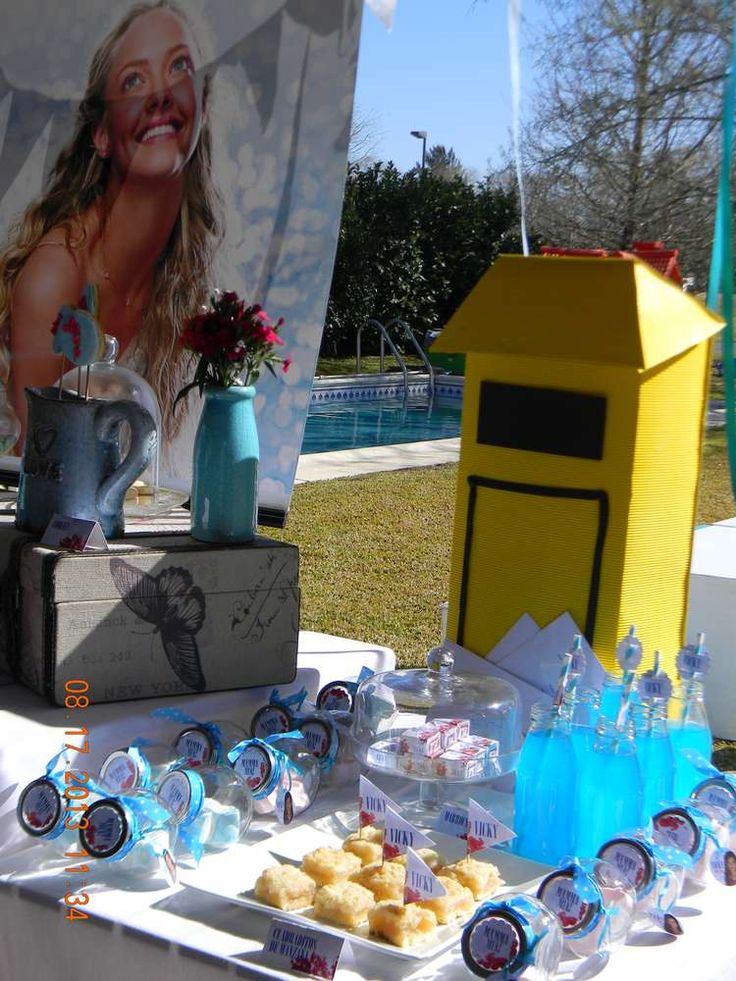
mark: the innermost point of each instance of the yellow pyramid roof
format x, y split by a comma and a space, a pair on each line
609, 311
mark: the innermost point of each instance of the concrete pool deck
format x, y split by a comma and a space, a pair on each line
375, 459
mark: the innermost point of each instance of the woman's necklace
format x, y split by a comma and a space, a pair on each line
127, 297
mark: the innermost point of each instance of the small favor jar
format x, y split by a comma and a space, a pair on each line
655, 872
716, 791
279, 715
594, 905
275, 767
688, 827
50, 808
322, 737
133, 835
211, 804
207, 743
139, 766
510, 936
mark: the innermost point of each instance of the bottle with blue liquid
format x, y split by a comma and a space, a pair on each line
545, 788
582, 706
609, 789
653, 744
689, 726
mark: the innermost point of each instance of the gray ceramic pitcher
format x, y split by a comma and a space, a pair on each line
72, 461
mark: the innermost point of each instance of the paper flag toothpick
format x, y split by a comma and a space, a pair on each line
484, 830
372, 803
421, 882
400, 835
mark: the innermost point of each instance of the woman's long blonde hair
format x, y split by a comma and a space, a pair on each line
182, 275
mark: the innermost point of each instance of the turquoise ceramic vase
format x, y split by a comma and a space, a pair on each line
225, 467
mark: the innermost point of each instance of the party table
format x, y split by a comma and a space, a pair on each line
185, 935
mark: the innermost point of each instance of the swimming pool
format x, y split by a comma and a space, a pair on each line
345, 426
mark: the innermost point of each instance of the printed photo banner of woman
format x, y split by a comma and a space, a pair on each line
137, 198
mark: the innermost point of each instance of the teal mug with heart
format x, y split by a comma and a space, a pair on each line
72, 462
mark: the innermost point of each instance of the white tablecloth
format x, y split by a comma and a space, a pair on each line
179, 934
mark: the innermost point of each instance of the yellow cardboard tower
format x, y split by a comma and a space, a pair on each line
583, 414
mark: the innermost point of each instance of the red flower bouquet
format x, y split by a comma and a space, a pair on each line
234, 342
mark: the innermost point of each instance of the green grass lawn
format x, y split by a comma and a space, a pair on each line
369, 365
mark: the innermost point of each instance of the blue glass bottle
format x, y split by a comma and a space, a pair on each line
612, 688
582, 706
690, 732
656, 757
545, 788
609, 790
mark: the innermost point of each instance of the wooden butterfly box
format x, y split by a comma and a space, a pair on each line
156, 615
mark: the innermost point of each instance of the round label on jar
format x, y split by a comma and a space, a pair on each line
195, 746
723, 866
318, 737
107, 829
717, 792
559, 892
674, 826
335, 697
39, 807
631, 860
493, 943
184, 794
271, 719
254, 766
120, 771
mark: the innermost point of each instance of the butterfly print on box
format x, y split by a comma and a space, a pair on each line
176, 608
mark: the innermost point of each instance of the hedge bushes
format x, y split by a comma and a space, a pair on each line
412, 246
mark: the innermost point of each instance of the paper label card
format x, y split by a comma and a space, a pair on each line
301, 949
400, 835
484, 830
666, 921
74, 534
421, 882
453, 821
723, 866
372, 803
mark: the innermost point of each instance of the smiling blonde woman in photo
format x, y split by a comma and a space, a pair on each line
130, 206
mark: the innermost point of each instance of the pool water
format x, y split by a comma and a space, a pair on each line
349, 426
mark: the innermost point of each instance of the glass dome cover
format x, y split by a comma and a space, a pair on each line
433, 724
106, 379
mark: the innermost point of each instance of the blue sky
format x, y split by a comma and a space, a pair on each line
443, 68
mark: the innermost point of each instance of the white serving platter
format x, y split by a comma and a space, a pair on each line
232, 876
